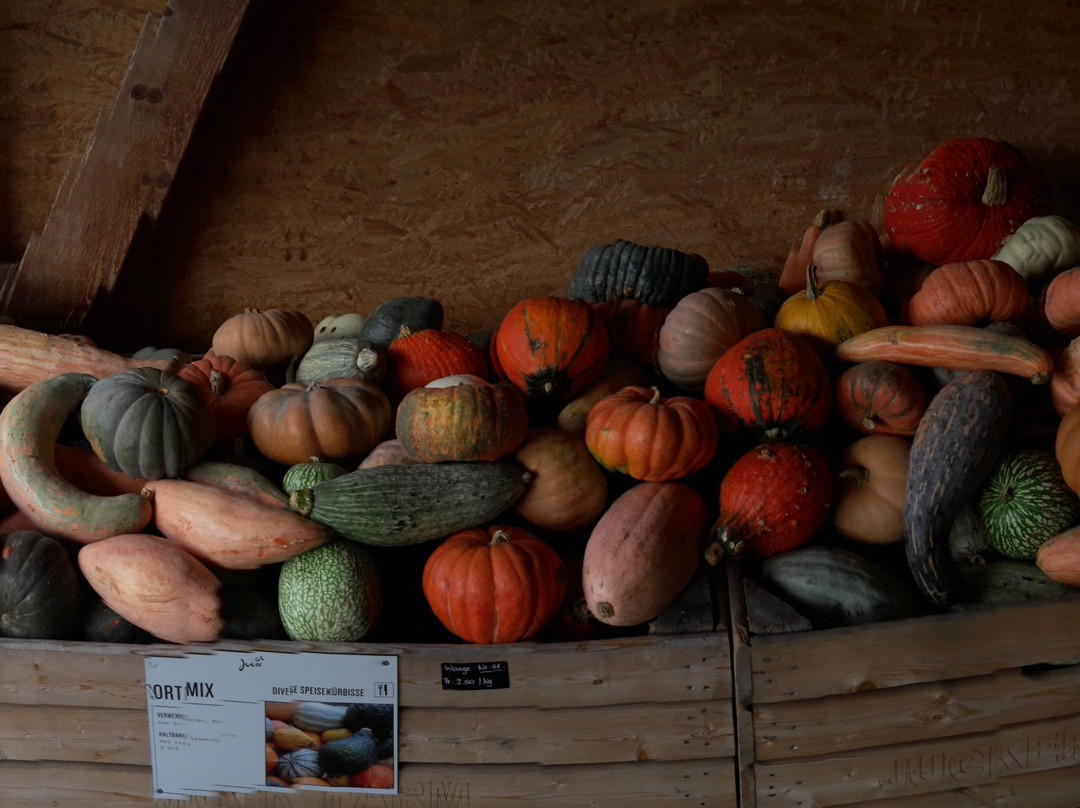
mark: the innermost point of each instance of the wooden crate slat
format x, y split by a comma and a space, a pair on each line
633, 670
624, 733
796, 729
846, 660
643, 784
127, 168
928, 766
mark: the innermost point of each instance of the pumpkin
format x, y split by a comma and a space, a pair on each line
963, 199
39, 587
552, 347
1060, 302
465, 421
147, 422
801, 252
262, 339
773, 498
880, 397
299, 763
640, 433
230, 388
842, 250
494, 584
338, 419
870, 486
658, 276
418, 357
343, 356
567, 489
634, 329
831, 312
383, 325
699, 329
618, 374
1041, 247
771, 383
969, 293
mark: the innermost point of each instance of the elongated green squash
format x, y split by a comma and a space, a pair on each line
957, 442
29, 427
389, 506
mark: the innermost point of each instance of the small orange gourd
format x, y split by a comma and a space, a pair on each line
969, 293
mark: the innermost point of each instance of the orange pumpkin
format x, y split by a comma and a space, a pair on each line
418, 357
337, 419
262, 339
870, 488
552, 347
469, 421
230, 388
640, 433
1061, 302
699, 329
879, 397
969, 293
634, 329
567, 489
843, 250
495, 584
1065, 380
1067, 448
829, 313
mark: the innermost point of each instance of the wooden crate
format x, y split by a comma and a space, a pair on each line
971, 708
638, 721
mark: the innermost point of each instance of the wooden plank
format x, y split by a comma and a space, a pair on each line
924, 649
833, 724
742, 680
128, 166
644, 784
925, 767
583, 736
1056, 788
683, 668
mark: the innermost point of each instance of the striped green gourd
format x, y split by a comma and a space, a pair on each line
1024, 501
390, 506
309, 474
331, 593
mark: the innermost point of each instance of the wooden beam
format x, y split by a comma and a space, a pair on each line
127, 168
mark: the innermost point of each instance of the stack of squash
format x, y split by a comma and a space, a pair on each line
886, 425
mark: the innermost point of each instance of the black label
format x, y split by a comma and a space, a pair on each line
475, 675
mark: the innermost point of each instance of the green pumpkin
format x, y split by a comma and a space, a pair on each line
1025, 501
147, 423
309, 474
40, 595
332, 593
348, 357
658, 276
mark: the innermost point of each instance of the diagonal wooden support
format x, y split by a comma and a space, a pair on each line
127, 168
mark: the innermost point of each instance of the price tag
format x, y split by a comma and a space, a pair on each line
475, 675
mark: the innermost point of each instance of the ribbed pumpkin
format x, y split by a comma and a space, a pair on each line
418, 357
338, 419
659, 276
831, 312
147, 422
699, 329
567, 489
969, 293
469, 421
230, 387
773, 498
1061, 302
870, 488
771, 383
494, 584
551, 347
39, 587
638, 432
879, 397
263, 338
963, 199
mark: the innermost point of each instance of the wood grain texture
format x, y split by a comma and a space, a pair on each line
128, 166
473, 151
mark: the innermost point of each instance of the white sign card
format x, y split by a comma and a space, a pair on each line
209, 724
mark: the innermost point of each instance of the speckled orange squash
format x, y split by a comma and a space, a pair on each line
879, 397
969, 293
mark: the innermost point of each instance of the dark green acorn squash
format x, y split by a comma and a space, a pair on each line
384, 323
40, 594
658, 276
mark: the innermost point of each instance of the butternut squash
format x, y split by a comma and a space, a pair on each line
230, 530
156, 585
31, 356
29, 427
956, 347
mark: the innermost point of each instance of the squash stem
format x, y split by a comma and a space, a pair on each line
813, 291
996, 192
860, 474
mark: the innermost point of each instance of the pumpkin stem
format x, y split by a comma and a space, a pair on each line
996, 191
498, 537
813, 291
404, 331
826, 217
860, 474
655, 395
217, 383
725, 544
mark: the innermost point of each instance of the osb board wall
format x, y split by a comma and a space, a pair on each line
472, 151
